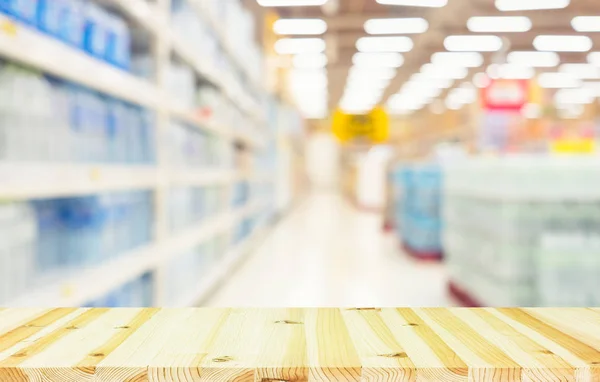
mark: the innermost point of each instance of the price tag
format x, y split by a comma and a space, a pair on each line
95, 175
67, 290
8, 27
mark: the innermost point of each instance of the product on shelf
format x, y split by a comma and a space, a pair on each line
524, 231
134, 294
418, 215
189, 146
187, 271
83, 24
46, 119
49, 236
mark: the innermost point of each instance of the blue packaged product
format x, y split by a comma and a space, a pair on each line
72, 28
95, 35
6, 6
118, 49
48, 245
25, 10
52, 16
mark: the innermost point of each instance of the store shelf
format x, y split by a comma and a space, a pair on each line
77, 287
41, 180
209, 283
202, 177
142, 12
32, 48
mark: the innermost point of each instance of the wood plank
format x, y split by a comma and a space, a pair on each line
272, 345
486, 362
381, 355
538, 362
585, 358
330, 351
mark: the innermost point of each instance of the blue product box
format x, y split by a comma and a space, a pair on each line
25, 10
6, 6
52, 16
95, 32
118, 49
72, 26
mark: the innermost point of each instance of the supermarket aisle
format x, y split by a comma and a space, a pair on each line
328, 254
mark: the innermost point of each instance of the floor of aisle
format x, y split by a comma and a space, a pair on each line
326, 253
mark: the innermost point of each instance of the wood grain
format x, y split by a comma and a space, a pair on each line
273, 345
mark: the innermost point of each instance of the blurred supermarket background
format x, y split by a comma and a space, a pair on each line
299, 152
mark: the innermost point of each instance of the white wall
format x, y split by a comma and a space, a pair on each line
323, 160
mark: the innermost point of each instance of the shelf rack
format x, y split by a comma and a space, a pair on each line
22, 181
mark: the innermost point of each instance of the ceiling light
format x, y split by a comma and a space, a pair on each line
529, 5
511, 72
378, 60
375, 73
299, 45
534, 59
453, 104
594, 58
499, 24
423, 80
439, 71
300, 27
481, 80
415, 3
466, 59
592, 87
581, 71
580, 96
463, 95
557, 43
586, 23
384, 44
473, 43
409, 25
310, 61
291, 3
558, 81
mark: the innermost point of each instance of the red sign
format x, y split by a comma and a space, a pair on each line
505, 94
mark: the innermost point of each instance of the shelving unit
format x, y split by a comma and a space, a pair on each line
24, 181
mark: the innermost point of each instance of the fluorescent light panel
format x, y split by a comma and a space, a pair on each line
378, 60
473, 43
310, 61
384, 44
581, 71
291, 3
534, 59
557, 43
465, 59
499, 24
510, 71
416, 3
299, 45
558, 81
530, 5
586, 23
372, 73
300, 27
409, 25
441, 72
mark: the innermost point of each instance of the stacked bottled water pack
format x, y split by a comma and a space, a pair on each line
49, 236
189, 146
524, 230
80, 23
134, 294
46, 119
417, 195
192, 205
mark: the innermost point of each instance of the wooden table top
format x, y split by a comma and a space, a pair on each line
437, 344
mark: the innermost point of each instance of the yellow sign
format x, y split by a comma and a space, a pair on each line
573, 146
374, 126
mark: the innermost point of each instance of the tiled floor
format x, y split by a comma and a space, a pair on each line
326, 253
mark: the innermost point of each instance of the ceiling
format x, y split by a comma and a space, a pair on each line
346, 25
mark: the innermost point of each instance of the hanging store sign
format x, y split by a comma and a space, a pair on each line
502, 94
372, 127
